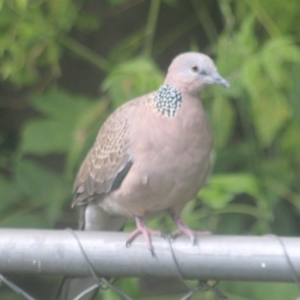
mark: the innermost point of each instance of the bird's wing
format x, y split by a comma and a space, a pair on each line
109, 160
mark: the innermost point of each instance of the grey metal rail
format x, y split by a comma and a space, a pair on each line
266, 258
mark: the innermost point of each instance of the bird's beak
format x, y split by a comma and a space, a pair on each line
218, 79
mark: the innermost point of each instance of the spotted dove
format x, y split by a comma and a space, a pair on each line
151, 155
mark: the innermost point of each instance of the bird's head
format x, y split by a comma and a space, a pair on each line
192, 71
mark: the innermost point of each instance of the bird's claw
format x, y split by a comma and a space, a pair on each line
184, 229
152, 251
194, 241
146, 232
163, 235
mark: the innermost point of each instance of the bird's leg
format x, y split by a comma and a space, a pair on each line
182, 228
145, 231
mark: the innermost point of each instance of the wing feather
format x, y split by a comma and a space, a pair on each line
109, 157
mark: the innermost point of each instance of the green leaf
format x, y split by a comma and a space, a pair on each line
276, 52
222, 119
36, 181
222, 189
245, 40
283, 49
116, 2
240, 290
9, 193
54, 134
131, 79
295, 92
26, 220
28, 37
251, 75
125, 49
86, 21
46, 136
21, 4
43, 187
270, 113
56, 102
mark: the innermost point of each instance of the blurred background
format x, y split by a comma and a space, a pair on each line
66, 64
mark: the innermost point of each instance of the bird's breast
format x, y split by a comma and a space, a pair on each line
185, 135
170, 160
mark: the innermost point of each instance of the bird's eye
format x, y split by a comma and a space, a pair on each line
195, 68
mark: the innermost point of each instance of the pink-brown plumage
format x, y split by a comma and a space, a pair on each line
152, 153
150, 156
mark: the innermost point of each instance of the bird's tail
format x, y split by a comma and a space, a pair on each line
92, 218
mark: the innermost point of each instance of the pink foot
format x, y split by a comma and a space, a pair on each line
184, 229
145, 231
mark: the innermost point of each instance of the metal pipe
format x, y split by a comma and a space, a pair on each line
266, 258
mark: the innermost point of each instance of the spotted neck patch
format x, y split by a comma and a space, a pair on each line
167, 100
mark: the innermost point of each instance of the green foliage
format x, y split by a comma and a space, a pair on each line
253, 188
29, 37
222, 116
267, 72
251, 291
42, 188
131, 79
116, 2
35, 189
222, 189
54, 132
9, 193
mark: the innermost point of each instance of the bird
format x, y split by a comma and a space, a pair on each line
152, 155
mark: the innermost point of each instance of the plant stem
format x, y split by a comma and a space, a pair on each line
263, 16
228, 15
206, 20
174, 34
85, 53
151, 26
283, 191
